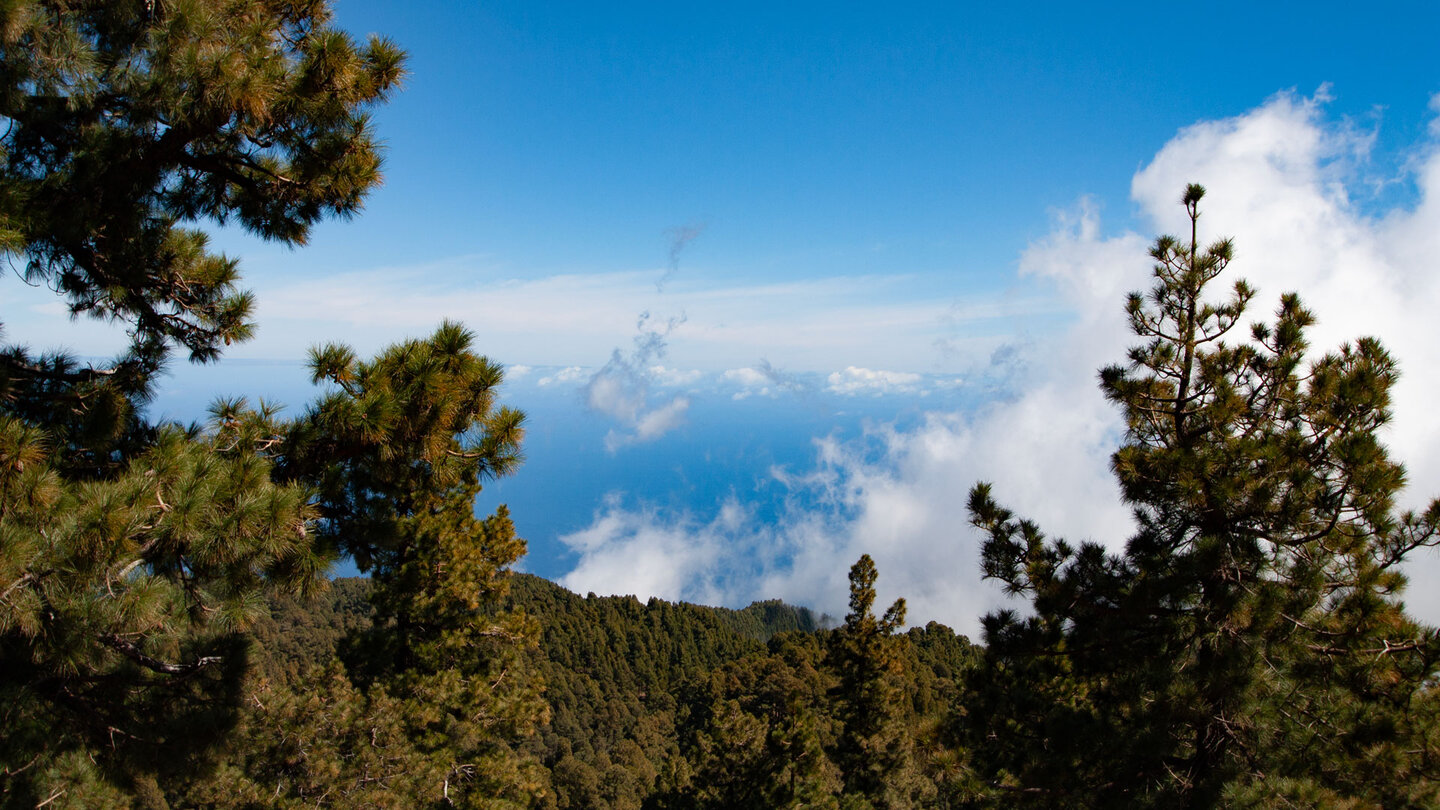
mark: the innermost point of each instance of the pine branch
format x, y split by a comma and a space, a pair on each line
131, 651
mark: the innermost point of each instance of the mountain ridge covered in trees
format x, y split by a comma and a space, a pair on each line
634, 688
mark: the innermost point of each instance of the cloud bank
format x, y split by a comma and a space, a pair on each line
1282, 180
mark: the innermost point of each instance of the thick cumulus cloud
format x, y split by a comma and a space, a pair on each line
1281, 180
644, 552
641, 552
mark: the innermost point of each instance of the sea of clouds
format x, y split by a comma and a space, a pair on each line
1281, 180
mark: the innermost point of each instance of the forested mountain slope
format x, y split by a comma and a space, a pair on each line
642, 697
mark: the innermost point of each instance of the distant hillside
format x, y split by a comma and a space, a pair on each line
626, 681
612, 665
757, 622
297, 633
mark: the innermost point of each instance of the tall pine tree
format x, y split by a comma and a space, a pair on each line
396, 455
874, 749
1249, 646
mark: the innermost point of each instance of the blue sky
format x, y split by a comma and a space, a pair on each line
827, 138
777, 282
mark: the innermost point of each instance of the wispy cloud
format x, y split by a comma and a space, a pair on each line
621, 388
655, 423
674, 377
786, 381
801, 326
765, 380
680, 238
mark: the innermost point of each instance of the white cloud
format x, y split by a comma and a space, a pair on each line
1278, 179
766, 380
853, 381
745, 377
751, 382
568, 374
806, 325
650, 425
802, 325
662, 420
640, 553
674, 377
37, 318
51, 309
621, 389
902, 509
615, 392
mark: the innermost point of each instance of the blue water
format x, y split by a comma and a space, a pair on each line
725, 448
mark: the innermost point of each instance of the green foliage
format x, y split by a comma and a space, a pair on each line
127, 120
166, 638
1250, 643
396, 437
416, 687
874, 750
846, 718
133, 556
123, 597
394, 458
297, 636
756, 731
651, 705
612, 668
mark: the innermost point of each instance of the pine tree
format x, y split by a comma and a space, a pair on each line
755, 732
1249, 645
395, 456
874, 748
127, 119
132, 554
123, 599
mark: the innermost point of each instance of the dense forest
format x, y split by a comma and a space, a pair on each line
169, 635
650, 704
